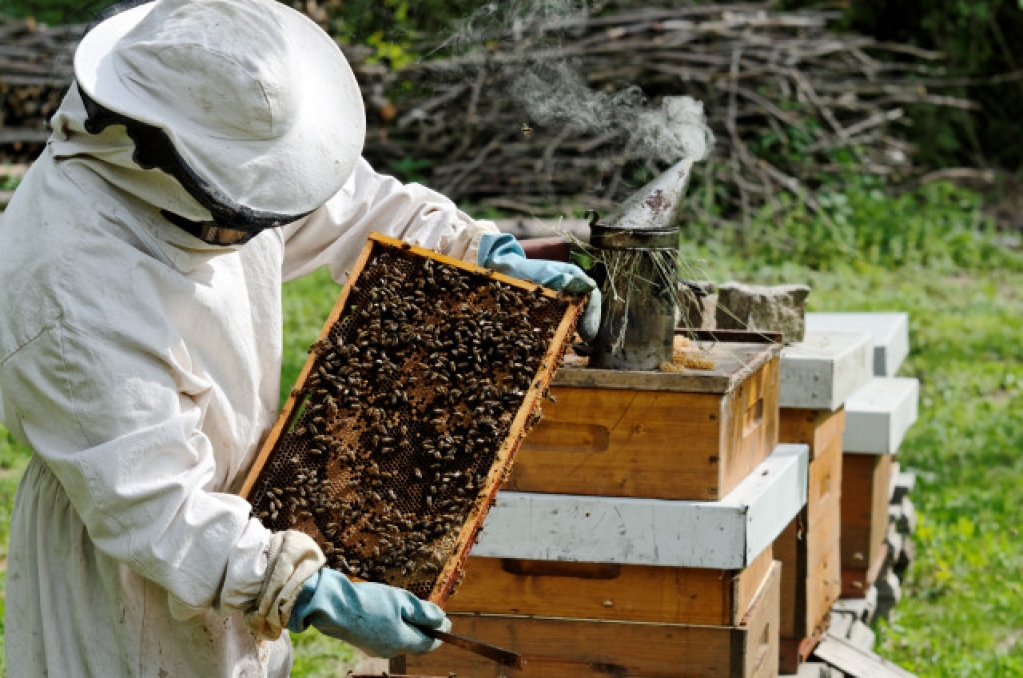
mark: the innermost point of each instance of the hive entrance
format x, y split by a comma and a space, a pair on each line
407, 414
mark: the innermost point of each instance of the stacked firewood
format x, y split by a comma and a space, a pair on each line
790, 103
538, 114
35, 70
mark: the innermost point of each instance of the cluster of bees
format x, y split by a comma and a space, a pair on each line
412, 394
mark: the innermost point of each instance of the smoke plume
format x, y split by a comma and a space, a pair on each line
552, 92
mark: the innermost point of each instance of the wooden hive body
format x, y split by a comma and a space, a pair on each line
566, 647
809, 548
692, 435
878, 417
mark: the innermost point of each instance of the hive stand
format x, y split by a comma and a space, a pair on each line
890, 331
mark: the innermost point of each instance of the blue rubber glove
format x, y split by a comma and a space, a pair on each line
372, 617
502, 253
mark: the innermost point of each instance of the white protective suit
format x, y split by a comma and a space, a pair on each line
142, 367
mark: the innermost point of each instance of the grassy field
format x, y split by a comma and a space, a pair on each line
960, 613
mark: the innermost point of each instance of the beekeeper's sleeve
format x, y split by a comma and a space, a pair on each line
334, 235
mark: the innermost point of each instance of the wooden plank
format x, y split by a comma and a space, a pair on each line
594, 649
725, 535
865, 486
889, 331
816, 428
824, 369
879, 414
856, 662
613, 592
650, 443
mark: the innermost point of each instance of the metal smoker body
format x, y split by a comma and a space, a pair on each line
638, 311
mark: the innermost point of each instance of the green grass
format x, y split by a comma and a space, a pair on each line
959, 616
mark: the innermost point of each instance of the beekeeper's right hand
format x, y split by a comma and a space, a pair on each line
373, 617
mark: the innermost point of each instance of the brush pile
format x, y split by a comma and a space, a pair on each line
35, 69
789, 100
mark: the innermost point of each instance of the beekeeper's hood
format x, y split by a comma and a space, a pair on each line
248, 104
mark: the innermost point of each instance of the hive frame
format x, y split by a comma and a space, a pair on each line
527, 414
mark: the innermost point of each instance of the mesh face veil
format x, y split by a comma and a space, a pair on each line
232, 223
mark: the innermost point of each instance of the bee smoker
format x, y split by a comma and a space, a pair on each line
636, 250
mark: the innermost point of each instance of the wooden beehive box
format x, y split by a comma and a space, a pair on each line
809, 548
689, 435
581, 648
877, 419
609, 591
818, 375
698, 576
407, 414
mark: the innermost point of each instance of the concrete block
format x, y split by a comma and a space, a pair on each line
862, 636
889, 589
816, 670
856, 608
878, 415
902, 515
890, 332
903, 483
824, 370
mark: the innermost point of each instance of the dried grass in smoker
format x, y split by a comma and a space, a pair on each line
411, 406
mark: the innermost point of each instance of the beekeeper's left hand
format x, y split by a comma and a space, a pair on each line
502, 253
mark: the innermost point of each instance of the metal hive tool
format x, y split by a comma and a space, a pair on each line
407, 414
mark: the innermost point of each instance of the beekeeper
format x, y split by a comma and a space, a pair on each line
208, 150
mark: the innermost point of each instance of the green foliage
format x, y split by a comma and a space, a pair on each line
320, 656
13, 460
307, 303
411, 169
860, 224
55, 12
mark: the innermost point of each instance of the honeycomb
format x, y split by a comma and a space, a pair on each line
407, 414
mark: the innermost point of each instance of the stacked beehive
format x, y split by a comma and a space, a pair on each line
876, 515
818, 376
634, 534
878, 415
